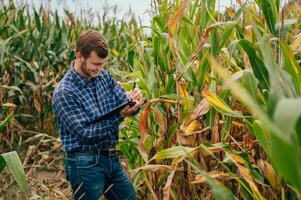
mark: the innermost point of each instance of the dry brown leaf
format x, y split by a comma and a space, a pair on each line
213, 174
144, 130
173, 45
202, 108
296, 44
236, 158
182, 139
249, 33
201, 44
215, 131
269, 172
152, 168
160, 119
173, 21
245, 173
230, 11
167, 187
9, 105
57, 146
37, 105
163, 100
211, 150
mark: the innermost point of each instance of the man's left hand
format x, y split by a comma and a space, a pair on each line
135, 96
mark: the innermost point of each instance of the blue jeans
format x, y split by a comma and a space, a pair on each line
92, 176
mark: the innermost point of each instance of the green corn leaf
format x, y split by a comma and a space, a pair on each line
226, 128
280, 84
286, 160
258, 67
157, 22
5, 122
214, 39
291, 66
193, 9
227, 32
202, 70
152, 82
268, 10
207, 10
262, 135
2, 163
14, 164
37, 20
249, 83
156, 48
287, 114
172, 130
173, 152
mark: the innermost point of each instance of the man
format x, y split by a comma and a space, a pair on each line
81, 102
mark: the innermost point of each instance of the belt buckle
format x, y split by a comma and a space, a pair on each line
111, 152
69, 154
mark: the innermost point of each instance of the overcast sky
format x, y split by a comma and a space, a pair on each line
139, 7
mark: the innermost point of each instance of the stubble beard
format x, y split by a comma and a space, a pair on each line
84, 69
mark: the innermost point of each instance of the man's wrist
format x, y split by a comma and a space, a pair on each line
124, 114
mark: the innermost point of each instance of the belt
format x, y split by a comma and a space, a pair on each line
103, 152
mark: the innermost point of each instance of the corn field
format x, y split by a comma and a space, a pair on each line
223, 87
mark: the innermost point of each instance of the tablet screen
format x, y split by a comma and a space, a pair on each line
114, 110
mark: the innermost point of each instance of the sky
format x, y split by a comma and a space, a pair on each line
138, 7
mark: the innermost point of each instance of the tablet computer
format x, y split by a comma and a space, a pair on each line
119, 107
114, 110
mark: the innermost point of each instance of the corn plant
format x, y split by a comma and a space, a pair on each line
12, 161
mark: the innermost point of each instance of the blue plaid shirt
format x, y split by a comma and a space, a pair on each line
78, 102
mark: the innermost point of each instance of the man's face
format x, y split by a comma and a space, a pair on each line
92, 65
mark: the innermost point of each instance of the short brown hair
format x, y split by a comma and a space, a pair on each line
89, 41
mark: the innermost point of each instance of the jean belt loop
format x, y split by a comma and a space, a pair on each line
98, 153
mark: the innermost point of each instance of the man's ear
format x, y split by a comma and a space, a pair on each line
78, 56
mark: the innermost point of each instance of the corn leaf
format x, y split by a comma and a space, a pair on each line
258, 67
6, 121
220, 105
291, 66
173, 152
220, 192
287, 114
14, 164
269, 12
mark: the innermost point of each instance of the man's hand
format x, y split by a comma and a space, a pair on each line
135, 96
